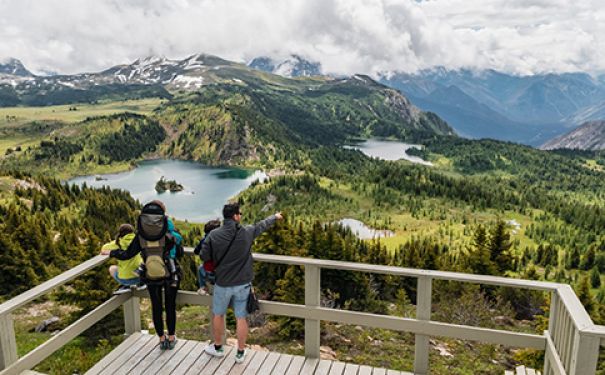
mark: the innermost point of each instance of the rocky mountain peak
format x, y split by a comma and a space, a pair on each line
12, 66
588, 136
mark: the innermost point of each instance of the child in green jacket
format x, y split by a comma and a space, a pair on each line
124, 273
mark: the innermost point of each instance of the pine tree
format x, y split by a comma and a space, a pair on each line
479, 257
583, 292
499, 246
595, 278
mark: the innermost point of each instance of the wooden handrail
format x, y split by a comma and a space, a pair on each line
47, 286
586, 333
409, 272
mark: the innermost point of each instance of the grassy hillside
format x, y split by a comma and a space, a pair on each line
96, 145
23, 127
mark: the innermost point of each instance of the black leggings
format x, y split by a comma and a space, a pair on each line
155, 294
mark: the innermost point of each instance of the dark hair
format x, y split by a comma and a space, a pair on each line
123, 230
211, 225
230, 210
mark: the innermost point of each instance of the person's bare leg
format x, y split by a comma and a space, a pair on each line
113, 270
242, 333
218, 326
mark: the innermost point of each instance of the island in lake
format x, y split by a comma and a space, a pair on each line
162, 185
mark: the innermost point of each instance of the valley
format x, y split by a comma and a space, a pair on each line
456, 215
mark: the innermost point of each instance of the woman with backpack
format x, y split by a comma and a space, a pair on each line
159, 245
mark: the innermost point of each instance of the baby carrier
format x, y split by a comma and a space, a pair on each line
156, 241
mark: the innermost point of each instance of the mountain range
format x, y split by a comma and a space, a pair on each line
589, 136
477, 104
488, 104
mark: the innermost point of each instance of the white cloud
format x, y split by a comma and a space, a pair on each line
346, 36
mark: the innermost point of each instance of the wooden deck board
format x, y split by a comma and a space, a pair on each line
255, 363
216, 362
186, 350
351, 369
309, 366
132, 360
185, 363
130, 341
269, 363
337, 368
296, 364
122, 357
323, 367
239, 368
140, 354
155, 360
282, 365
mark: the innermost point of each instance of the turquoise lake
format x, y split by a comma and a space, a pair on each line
206, 189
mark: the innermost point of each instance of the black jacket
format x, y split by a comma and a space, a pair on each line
235, 266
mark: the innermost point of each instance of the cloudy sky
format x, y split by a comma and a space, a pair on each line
346, 36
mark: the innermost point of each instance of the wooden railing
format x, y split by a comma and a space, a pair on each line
571, 343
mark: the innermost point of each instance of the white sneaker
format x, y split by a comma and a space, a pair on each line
202, 292
210, 349
239, 358
122, 289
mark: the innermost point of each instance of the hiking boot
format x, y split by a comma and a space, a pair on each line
172, 344
122, 289
202, 292
211, 349
240, 356
164, 344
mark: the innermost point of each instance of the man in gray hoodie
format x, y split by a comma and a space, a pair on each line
229, 247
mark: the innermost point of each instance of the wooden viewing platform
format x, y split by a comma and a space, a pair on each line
571, 344
140, 354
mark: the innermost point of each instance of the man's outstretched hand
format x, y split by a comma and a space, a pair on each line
279, 216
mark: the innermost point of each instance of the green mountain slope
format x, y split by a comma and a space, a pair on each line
261, 122
95, 145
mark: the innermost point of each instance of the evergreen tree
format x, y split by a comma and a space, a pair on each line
595, 278
499, 246
479, 257
583, 292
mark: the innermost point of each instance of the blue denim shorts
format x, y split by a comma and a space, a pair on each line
127, 282
237, 294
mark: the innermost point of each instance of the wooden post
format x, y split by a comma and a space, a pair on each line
423, 312
312, 299
132, 316
585, 356
8, 343
552, 323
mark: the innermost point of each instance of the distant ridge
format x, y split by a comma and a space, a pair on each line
589, 136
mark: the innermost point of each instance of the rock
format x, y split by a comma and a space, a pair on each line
48, 324
503, 320
325, 352
443, 350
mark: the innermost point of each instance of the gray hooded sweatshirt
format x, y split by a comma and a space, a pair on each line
235, 266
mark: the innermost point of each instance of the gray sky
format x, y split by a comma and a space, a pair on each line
346, 36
